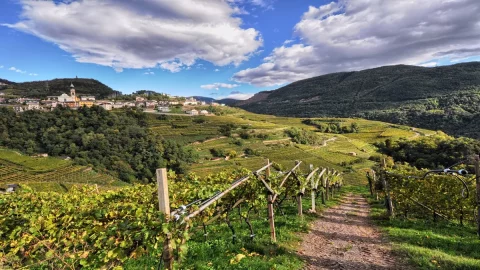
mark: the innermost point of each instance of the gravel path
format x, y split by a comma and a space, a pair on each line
345, 238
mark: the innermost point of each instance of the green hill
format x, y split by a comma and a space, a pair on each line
446, 98
58, 86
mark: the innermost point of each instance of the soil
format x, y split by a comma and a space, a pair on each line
345, 238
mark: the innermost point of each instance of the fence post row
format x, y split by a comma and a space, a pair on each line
164, 202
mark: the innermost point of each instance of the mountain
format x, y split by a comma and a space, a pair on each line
446, 97
228, 101
206, 99
58, 86
3, 81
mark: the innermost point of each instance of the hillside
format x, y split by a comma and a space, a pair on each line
58, 86
445, 98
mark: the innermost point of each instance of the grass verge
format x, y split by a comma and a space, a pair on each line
428, 244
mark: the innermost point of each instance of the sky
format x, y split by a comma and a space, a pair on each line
228, 48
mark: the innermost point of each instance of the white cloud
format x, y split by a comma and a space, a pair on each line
217, 70
429, 64
354, 35
172, 66
142, 34
217, 86
288, 41
1, 66
149, 73
17, 70
33, 74
239, 96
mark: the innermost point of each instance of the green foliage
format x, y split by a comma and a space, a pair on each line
119, 142
217, 152
430, 152
303, 136
334, 127
430, 245
226, 130
80, 228
58, 86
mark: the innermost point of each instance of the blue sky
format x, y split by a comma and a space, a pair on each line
223, 48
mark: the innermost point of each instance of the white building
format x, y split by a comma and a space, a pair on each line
163, 109
33, 105
204, 112
118, 105
107, 106
190, 101
87, 98
192, 112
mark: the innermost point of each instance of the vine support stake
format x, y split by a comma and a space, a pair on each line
387, 193
164, 207
477, 178
271, 217
163, 199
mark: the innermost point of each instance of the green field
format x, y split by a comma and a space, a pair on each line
48, 174
347, 152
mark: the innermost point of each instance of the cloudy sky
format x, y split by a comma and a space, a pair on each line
228, 48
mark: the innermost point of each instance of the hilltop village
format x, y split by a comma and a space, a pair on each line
141, 100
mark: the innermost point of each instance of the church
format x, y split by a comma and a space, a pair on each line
73, 101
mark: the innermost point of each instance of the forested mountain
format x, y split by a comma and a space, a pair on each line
446, 98
5, 81
58, 86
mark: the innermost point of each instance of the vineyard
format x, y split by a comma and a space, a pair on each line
48, 174
105, 229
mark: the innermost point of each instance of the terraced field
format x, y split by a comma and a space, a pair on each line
48, 174
349, 152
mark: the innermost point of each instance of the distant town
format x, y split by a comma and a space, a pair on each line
165, 104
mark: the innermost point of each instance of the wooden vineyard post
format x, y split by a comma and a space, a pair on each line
271, 216
477, 177
164, 207
313, 190
327, 183
163, 199
387, 193
323, 190
299, 200
370, 182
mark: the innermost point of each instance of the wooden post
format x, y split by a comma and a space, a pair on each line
163, 199
271, 216
477, 174
312, 181
385, 187
299, 204
370, 179
327, 184
164, 207
168, 253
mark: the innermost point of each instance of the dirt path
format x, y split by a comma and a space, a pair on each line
345, 238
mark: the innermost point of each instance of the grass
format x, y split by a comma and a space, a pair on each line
219, 252
348, 153
428, 244
32, 163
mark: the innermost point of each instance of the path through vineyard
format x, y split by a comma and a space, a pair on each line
345, 238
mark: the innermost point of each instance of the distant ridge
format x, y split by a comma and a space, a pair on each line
446, 97
58, 86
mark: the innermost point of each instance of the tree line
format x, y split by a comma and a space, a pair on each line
118, 143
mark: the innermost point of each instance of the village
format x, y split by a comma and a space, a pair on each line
174, 104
